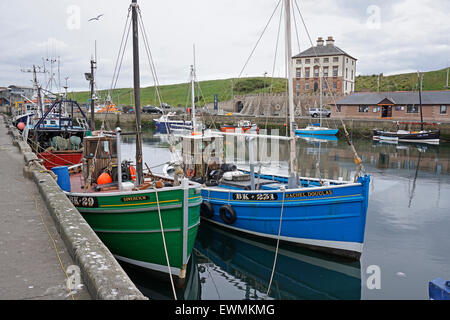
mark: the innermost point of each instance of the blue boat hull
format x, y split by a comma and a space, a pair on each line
329, 132
330, 219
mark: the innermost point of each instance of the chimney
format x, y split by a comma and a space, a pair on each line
330, 41
320, 42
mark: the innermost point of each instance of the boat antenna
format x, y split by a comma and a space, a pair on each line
137, 93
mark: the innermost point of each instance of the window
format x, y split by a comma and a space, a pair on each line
299, 61
297, 86
307, 61
443, 109
306, 86
346, 73
316, 60
338, 107
352, 76
334, 85
325, 85
316, 72
364, 109
335, 59
325, 72
335, 71
412, 108
307, 74
346, 60
398, 108
298, 73
326, 60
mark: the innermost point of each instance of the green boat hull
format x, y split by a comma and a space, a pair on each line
128, 223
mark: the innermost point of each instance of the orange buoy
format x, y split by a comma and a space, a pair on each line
133, 173
104, 178
159, 184
21, 126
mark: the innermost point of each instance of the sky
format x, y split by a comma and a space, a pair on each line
386, 36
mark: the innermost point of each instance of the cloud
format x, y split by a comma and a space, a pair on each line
412, 35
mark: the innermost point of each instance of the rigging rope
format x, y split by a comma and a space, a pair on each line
278, 243
357, 159
256, 45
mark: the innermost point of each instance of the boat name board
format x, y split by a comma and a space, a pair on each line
135, 198
85, 202
255, 196
309, 194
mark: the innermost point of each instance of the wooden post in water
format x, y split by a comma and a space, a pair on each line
137, 94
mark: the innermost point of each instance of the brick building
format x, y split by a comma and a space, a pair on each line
337, 68
403, 105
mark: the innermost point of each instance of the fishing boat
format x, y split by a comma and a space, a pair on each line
323, 214
415, 136
422, 136
243, 126
145, 220
167, 124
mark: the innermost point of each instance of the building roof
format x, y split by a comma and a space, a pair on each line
397, 98
325, 50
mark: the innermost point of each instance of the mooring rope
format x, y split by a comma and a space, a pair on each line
165, 246
278, 243
54, 246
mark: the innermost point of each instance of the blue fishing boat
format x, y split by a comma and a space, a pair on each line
323, 214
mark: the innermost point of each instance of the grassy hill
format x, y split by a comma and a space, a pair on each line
432, 80
178, 94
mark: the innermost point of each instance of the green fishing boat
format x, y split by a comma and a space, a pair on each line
144, 219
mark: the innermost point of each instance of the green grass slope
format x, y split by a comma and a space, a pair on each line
178, 95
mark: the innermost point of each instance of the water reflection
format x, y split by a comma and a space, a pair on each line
246, 266
159, 287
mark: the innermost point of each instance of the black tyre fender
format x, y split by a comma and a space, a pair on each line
206, 210
227, 214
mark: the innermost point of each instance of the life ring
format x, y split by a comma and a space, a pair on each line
133, 173
228, 214
206, 210
277, 107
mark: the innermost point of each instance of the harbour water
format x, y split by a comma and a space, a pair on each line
406, 240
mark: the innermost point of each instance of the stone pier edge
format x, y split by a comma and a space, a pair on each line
100, 272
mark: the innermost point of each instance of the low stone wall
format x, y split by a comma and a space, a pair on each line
101, 273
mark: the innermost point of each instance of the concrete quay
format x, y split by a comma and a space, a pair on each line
47, 250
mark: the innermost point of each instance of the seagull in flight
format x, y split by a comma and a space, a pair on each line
98, 18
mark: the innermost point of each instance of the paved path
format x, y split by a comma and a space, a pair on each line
29, 266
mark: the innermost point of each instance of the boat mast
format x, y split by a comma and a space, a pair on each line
137, 94
293, 182
92, 82
420, 101
194, 122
